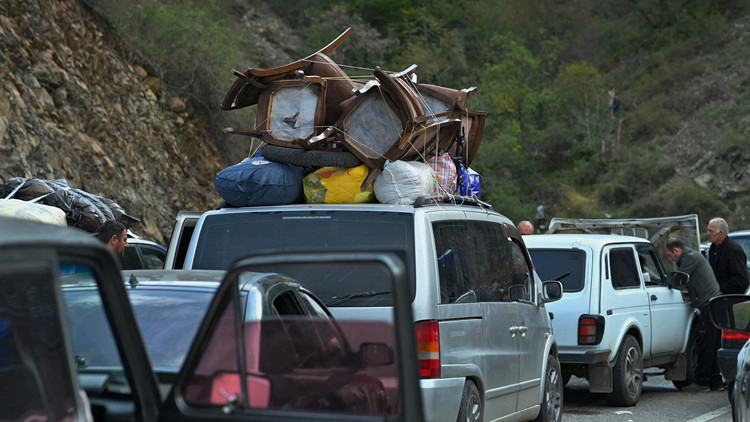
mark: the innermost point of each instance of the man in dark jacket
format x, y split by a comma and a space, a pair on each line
701, 286
727, 258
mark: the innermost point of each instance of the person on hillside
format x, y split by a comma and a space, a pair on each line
701, 287
525, 227
115, 235
540, 218
727, 258
615, 105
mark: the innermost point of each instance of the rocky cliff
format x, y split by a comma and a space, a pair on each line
77, 104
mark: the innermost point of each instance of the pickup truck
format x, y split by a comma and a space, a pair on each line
622, 309
47, 374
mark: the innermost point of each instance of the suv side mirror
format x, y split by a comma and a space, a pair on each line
679, 279
375, 354
730, 312
551, 291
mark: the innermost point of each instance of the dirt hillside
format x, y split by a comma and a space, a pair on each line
77, 104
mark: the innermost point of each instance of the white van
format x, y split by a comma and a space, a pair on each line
484, 336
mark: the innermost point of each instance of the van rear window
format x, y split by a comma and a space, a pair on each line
553, 263
224, 238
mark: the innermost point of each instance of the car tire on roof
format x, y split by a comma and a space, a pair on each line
304, 158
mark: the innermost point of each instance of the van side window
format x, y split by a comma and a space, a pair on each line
521, 274
623, 269
474, 261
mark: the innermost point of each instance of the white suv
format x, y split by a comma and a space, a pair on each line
621, 311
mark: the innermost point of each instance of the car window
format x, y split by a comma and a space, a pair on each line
286, 303
521, 275
153, 258
744, 242
314, 230
294, 363
37, 383
623, 270
130, 259
653, 273
94, 345
554, 263
476, 262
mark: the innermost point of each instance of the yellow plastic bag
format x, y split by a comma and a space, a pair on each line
337, 185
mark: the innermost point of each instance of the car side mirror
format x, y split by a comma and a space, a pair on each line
551, 291
375, 354
679, 279
517, 292
730, 312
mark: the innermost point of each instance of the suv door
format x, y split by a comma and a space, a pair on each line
479, 325
665, 303
624, 301
182, 231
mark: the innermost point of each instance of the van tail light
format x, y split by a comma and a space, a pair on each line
428, 349
734, 335
590, 329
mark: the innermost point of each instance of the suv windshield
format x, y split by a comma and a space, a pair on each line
227, 237
554, 263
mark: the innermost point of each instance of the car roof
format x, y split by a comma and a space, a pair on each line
175, 278
574, 240
200, 279
142, 241
356, 207
739, 233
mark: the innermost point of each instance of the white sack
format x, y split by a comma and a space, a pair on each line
403, 181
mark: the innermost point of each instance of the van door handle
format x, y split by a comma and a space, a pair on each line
654, 297
518, 329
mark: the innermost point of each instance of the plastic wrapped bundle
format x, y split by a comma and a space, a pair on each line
82, 209
402, 182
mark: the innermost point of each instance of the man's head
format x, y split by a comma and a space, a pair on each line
674, 248
115, 235
525, 227
718, 229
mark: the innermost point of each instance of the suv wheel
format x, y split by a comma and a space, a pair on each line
552, 400
691, 360
627, 374
471, 404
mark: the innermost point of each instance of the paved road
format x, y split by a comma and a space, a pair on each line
660, 402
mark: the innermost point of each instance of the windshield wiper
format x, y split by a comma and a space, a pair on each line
561, 276
334, 300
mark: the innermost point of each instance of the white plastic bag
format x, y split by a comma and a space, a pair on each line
402, 182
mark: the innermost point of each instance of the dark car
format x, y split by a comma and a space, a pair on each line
58, 362
732, 312
731, 340
143, 254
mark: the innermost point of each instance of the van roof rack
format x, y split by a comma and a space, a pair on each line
427, 200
